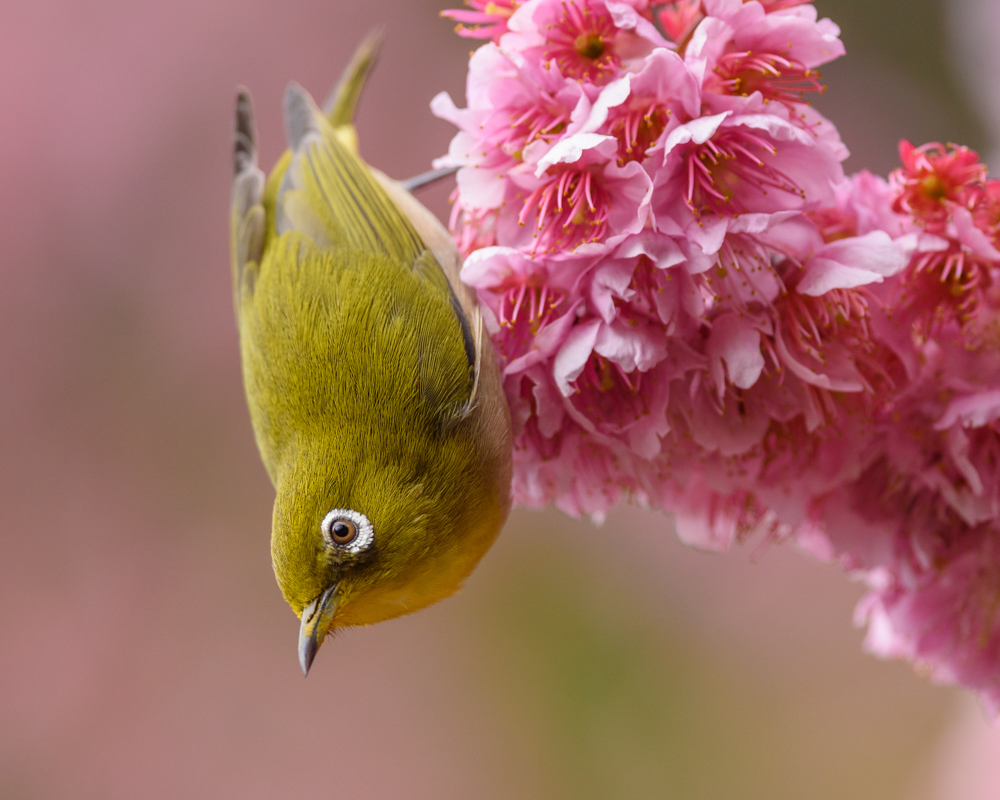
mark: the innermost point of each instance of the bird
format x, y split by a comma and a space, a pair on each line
374, 392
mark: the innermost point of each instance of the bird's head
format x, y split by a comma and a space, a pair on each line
354, 543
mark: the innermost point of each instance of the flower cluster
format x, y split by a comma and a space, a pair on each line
697, 310
920, 518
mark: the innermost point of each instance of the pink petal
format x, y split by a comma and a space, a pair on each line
481, 188
627, 18
698, 131
631, 347
631, 191
572, 356
973, 238
971, 411
611, 96
851, 382
735, 342
572, 148
851, 262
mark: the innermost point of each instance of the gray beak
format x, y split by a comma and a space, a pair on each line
316, 619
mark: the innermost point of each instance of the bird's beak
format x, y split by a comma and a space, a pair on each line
316, 619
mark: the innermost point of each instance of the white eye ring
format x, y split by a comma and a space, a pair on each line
361, 529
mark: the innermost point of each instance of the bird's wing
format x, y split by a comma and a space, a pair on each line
247, 219
340, 108
329, 194
441, 244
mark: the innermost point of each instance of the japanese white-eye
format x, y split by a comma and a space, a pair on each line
374, 392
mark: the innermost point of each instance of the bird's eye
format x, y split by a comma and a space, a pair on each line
343, 531
348, 531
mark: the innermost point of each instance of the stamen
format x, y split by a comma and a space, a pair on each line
607, 392
525, 309
778, 79
571, 208
727, 162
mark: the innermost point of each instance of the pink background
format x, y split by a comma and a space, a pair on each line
146, 649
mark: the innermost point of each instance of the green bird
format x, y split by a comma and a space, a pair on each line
374, 392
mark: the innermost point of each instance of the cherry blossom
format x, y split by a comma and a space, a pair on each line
695, 308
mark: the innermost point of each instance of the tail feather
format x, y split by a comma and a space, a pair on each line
341, 106
246, 214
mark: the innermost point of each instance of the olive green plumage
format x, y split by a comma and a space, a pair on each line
370, 382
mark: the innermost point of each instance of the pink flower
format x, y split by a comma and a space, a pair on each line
822, 333
521, 101
644, 277
741, 49
695, 308
986, 209
608, 401
585, 40
748, 251
864, 204
950, 276
851, 262
945, 619
712, 520
556, 461
511, 106
472, 228
660, 95
531, 305
934, 180
728, 164
580, 194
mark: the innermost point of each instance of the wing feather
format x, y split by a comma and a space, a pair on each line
331, 196
354, 209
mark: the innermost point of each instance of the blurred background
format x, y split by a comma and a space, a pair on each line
146, 651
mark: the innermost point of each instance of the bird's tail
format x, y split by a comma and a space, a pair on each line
341, 106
